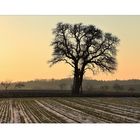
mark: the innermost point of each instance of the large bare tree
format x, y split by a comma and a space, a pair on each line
84, 47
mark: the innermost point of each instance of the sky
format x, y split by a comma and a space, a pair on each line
25, 46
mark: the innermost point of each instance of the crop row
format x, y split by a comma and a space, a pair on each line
70, 110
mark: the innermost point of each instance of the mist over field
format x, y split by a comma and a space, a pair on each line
88, 85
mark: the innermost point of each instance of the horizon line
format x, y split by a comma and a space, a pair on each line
39, 79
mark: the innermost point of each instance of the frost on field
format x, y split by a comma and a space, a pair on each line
70, 110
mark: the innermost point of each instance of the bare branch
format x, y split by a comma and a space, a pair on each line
84, 47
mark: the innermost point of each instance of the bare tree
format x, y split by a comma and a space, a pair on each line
84, 47
6, 84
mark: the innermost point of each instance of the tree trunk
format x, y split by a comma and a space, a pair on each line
77, 83
81, 81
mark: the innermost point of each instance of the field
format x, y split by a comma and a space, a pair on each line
70, 110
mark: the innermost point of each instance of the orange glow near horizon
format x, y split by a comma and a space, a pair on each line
25, 46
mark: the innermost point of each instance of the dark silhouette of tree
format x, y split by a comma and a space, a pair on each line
6, 84
84, 47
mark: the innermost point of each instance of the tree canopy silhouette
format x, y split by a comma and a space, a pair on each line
84, 47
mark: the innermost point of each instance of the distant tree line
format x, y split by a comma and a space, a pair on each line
66, 84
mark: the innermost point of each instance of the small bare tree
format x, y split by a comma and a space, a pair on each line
6, 84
